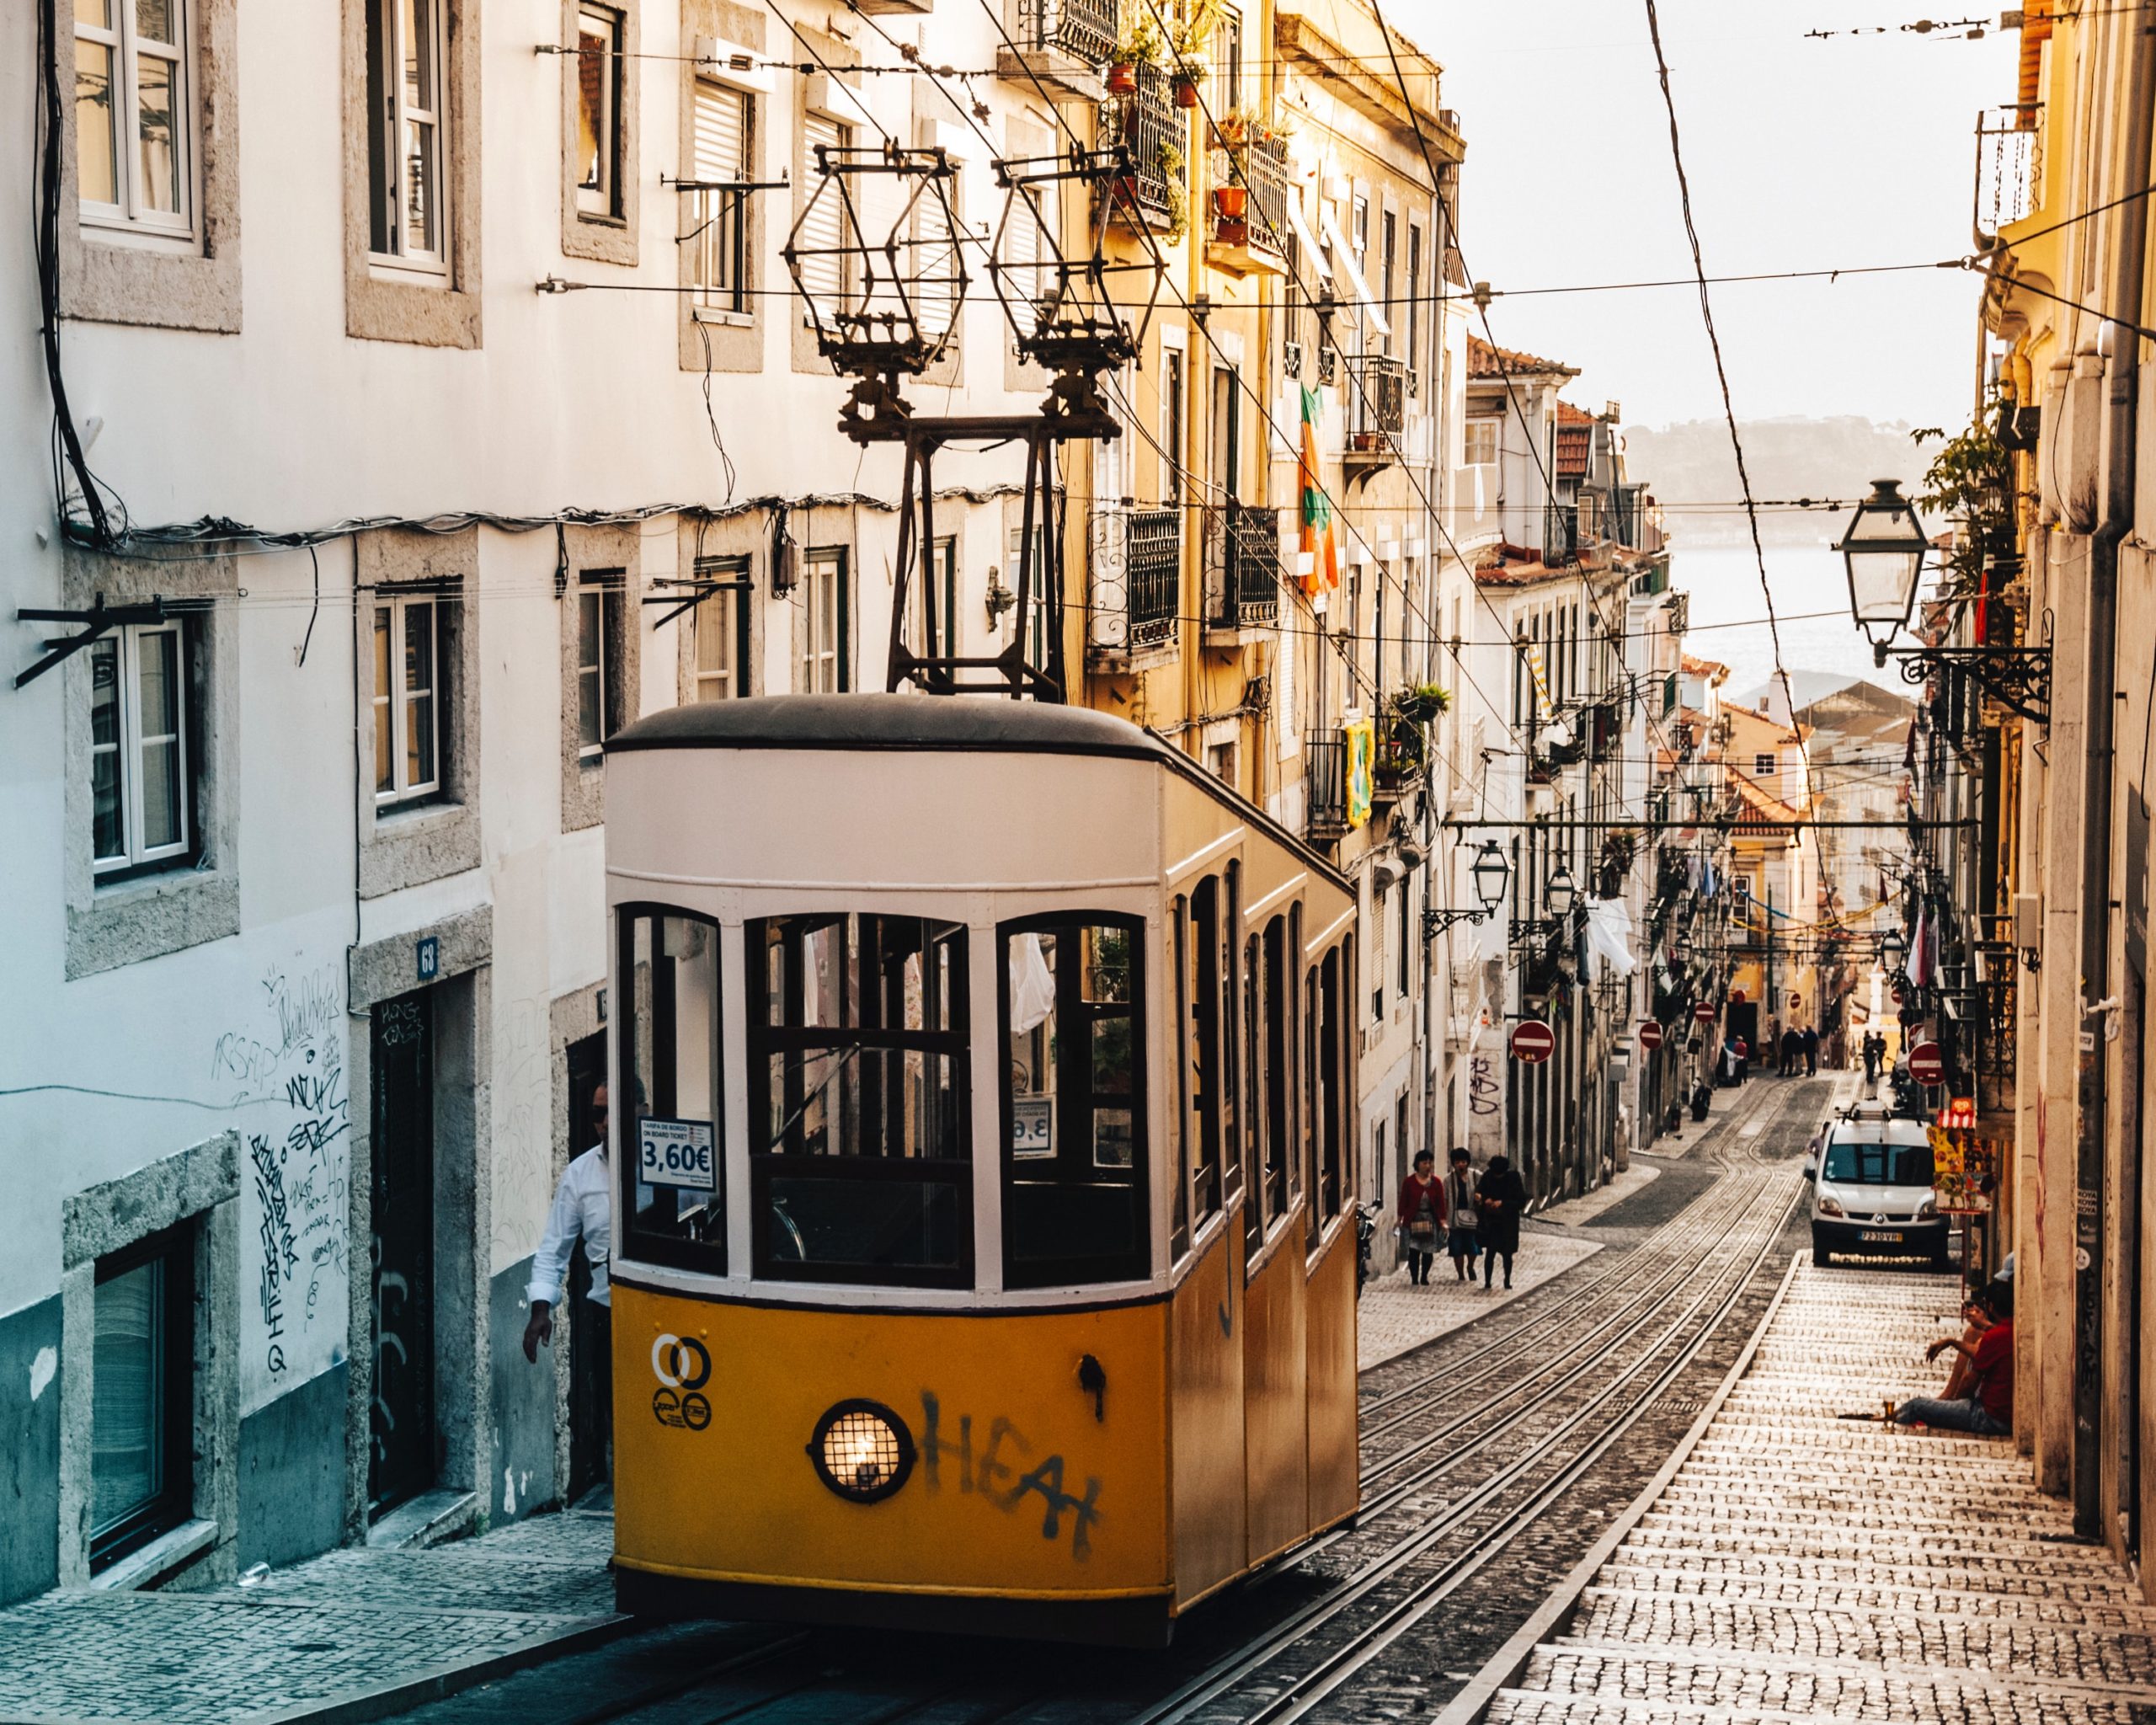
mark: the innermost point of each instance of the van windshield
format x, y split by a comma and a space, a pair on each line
1879, 1164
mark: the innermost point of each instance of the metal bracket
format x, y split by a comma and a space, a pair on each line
1435, 922
698, 591
2018, 678
96, 622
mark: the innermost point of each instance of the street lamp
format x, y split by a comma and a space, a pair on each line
1490, 874
1893, 948
1559, 893
1884, 546
1684, 950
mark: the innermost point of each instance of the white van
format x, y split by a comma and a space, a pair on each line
1871, 1190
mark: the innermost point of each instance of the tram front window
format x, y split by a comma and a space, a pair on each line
858, 1089
1074, 1108
671, 1168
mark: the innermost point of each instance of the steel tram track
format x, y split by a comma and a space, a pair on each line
1306, 1688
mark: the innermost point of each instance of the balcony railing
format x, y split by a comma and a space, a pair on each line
1325, 784
1084, 29
1378, 392
2009, 165
1135, 560
1259, 167
1242, 567
1152, 127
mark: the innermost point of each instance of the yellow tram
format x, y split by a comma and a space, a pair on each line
984, 1256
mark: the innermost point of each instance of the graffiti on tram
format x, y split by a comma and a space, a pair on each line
1001, 1469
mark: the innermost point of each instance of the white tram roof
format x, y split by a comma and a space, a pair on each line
955, 820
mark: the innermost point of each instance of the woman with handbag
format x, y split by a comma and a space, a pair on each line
1459, 1206
1422, 1216
1501, 1199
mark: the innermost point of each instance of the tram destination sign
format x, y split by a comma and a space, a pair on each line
1532, 1042
676, 1153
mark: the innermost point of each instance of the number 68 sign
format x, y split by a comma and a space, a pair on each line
676, 1153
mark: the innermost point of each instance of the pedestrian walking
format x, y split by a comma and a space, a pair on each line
1792, 1050
1422, 1215
1810, 1051
583, 1205
1500, 1200
1460, 1238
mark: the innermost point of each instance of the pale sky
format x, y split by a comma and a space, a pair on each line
1802, 154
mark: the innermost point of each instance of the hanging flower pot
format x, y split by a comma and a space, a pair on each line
1231, 201
1185, 89
1229, 233
1123, 79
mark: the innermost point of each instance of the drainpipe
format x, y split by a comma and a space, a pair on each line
2122, 350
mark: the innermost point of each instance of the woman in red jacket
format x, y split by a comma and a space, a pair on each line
1422, 1215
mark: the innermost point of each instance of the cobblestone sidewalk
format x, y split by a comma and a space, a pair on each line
1395, 1316
1799, 1566
334, 1637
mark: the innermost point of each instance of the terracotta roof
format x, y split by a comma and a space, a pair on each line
1507, 565
1567, 415
1772, 811
1703, 667
1573, 443
1485, 361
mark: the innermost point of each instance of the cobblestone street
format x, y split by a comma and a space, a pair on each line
1800, 1565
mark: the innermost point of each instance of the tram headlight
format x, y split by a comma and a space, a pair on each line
862, 1451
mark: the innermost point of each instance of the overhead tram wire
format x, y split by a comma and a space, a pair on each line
1234, 370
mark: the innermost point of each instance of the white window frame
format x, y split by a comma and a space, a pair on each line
394, 52
126, 49
718, 222
591, 663
393, 699
838, 288
125, 647
814, 654
1763, 764
1471, 456
599, 195
721, 616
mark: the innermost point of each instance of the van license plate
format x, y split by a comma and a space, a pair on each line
1874, 1237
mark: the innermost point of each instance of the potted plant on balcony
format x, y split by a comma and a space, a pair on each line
1186, 45
1421, 702
1231, 199
1141, 45
1171, 160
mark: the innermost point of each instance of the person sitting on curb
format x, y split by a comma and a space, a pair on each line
1986, 1406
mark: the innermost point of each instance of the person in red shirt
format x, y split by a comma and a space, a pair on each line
1422, 1215
1988, 1408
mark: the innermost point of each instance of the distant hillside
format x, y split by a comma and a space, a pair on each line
1690, 464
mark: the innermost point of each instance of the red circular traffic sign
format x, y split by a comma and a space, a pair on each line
1650, 1035
1927, 1066
1705, 1012
1532, 1041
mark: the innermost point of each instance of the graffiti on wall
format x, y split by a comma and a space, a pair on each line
290, 1053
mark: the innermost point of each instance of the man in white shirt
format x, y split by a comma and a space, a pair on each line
583, 1203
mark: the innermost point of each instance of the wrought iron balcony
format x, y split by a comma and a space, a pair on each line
2010, 183
1325, 784
1242, 567
1377, 397
1136, 575
1061, 43
1153, 129
1250, 190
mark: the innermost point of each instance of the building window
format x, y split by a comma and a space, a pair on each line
1229, 33
591, 679
1388, 250
1481, 444
942, 641
1171, 425
141, 811
142, 1452
407, 700
1414, 307
718, 242
131, 113
820, 610
1227, 430
598, 112
407, 121
721, 669
1763, 766
820, 236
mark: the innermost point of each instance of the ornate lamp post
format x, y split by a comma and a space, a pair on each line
1490, 874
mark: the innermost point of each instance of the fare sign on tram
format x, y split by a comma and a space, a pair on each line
1532, 1042
676, 1153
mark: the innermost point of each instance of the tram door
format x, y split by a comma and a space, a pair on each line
401, 1456
590, 1418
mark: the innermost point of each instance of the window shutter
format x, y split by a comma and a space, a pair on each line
722, 132
824, 229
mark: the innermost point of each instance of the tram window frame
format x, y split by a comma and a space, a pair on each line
1229, 994
771, 1039
1199, 1017
1255, 1220
1334, 1054
1071, 1161
1186, 1137
701, 1246
1274, 994
1313, 1110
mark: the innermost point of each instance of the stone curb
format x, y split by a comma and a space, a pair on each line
405, 1693
1556, 1614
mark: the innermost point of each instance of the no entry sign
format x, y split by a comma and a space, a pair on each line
1650, 1035
1926, 1064
1532, 1041
1704, 1013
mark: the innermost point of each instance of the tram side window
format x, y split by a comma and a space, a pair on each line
1229, 1088
1330, 1067
1313, 1114
1180, 1146
672, 1170
858, 1109
1075, 1201
1203, 1051
1278, 1138
1254, 1122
